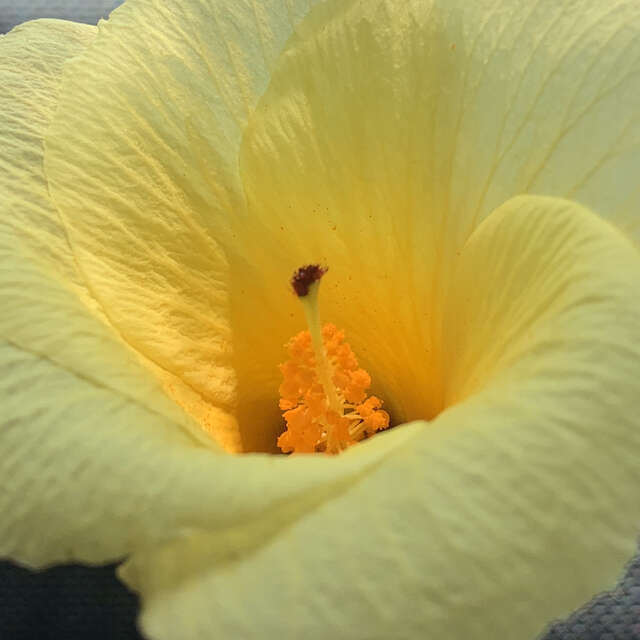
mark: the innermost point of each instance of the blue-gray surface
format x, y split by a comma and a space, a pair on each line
13, 12
80, 603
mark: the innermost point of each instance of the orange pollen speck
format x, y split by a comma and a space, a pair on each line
314, 423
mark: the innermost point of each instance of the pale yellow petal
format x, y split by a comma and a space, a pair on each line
90, 474
46, 299
81, 416
512, 507
31, 62
163, 94
95, 459
387, 133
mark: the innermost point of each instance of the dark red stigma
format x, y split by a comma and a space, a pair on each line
305, 276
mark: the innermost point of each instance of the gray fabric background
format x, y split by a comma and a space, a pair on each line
17, 11
73, 603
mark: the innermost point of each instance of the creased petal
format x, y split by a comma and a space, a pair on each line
529, 483
166, 88
389, 130
457, 106
96, 460
81, 415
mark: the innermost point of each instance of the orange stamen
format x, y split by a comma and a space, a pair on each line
324, 391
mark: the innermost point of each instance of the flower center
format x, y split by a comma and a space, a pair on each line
324, 391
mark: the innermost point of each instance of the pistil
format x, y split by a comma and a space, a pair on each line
323, 367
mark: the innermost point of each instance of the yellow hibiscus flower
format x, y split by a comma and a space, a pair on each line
458, 166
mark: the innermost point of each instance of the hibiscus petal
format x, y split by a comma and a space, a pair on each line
454, 106
389, 130
164, 92
95, 459
510, 508
387, 133
83, 420
71, 389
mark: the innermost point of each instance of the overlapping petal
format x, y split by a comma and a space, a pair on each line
96, 460
165, 88
530, 482
70, 386
387, 132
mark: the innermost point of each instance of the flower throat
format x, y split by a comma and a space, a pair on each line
324, 391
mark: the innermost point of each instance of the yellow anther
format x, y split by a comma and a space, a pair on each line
323, 393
